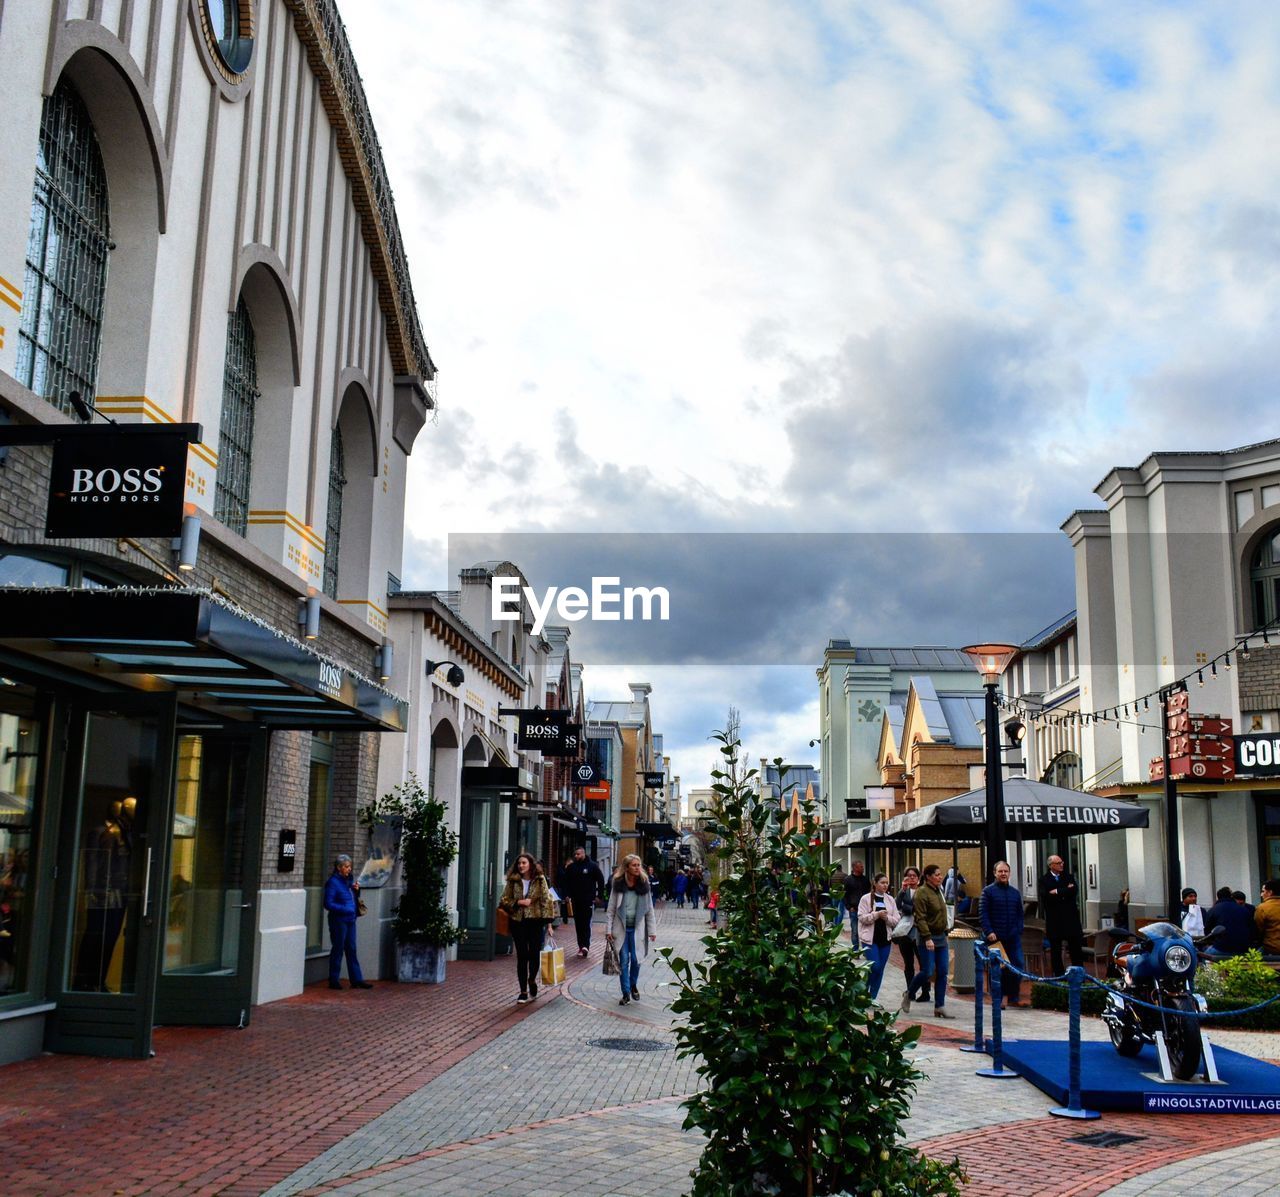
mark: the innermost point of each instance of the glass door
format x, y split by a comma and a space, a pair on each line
212, 880
477, 875
112, 852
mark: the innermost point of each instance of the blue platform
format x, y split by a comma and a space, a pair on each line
1109, 1081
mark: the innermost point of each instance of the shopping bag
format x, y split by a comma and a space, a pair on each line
552, 961
501, 922
612, 967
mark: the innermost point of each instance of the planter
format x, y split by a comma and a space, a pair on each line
420, 962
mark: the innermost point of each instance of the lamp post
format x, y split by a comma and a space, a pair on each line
990, 660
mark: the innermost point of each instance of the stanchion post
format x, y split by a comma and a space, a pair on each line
997, 1070
1073, 1108
979, 965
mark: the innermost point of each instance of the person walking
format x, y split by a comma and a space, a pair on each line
526, 898
655, 886
877, 916
1267, 918
1236, 922
713, 905
907, 943
630, 909
856, 887
1002, 922
931, 923
1061, 915
678, 887
341, 899
583, 883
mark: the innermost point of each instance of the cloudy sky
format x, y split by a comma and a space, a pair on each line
765, 268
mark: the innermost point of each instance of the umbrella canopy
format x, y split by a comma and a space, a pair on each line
1032, 810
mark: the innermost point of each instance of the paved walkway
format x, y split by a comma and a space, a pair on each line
455, 1090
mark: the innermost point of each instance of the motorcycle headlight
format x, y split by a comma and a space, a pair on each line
1177, 959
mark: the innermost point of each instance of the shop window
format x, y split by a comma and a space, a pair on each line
333, 516
1064, 771
20, 747
240, 396
316, 862
1264, 580
68, 243
29, 569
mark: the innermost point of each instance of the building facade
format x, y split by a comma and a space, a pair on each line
196, 234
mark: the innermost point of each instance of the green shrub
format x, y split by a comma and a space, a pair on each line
806, 1081
1240, 981
1053, 997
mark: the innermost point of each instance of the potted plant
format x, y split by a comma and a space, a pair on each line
423, 927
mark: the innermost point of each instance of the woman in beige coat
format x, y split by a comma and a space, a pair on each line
630, 909
527, 900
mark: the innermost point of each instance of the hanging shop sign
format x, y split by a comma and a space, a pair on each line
654, 781
537, 729
597, 793
127, 480
585, 774
1258, 753
569, 743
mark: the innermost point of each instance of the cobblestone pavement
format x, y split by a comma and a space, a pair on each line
455, 1090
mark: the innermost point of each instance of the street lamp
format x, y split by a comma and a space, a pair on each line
990, 660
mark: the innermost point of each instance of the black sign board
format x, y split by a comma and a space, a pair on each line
570, 744
855, 809
117, 483
537, 729
288, 850
654, 781
585, 774
1258, 753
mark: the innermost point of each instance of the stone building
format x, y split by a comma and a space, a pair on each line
196, 234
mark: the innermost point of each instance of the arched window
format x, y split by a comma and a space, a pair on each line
1064, 771
235, 438
333, 519
67, 246
1264, 579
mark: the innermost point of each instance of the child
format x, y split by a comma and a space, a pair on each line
713, 905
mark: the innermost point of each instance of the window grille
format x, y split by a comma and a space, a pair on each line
235, 437
333, 520
60, 329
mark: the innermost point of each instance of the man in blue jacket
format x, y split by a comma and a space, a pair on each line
1002, 924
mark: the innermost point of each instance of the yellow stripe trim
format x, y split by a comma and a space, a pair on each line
17, 307
205, 454
8, 286
364, 603
291, 521
134, 405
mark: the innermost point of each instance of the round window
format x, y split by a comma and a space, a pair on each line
229, 28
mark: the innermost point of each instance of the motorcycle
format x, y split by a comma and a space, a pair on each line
1157, 965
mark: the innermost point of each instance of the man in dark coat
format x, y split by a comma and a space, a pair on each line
1002, 924
1061, 915
1226, 912
583, 883
856, 887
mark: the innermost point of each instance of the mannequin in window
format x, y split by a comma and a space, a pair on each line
106, 854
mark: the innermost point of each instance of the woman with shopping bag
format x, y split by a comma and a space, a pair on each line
630, 910
526, 898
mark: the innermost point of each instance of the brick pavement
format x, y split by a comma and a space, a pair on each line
455, 1090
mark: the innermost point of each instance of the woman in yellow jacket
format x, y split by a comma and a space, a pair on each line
527, 900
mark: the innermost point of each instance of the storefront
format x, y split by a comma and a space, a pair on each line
135, 731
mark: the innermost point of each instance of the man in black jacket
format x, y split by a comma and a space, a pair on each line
583, 882
856, 887
1061, 915
1227, 912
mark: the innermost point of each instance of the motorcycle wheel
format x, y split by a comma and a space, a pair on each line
1124, 1040
1182, 1036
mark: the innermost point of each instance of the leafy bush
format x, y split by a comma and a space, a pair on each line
1051, 997
427, 848
806, 1080
1240, 981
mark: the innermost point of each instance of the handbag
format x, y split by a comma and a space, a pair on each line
552, 963
502, 922
903, 927
612, 965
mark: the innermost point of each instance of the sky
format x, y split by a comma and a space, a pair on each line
767, 270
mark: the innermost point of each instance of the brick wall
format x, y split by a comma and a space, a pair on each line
355, 784
1259, 679
288, 774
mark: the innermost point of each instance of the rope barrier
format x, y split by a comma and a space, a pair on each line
979, 971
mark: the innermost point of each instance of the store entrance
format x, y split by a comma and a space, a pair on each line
113, 841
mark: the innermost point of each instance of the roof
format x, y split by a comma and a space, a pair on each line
921, 656
1046, 636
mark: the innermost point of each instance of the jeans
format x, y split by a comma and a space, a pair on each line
628, 963
342, 933
1010, 982
933, 965
840, 912
878, 954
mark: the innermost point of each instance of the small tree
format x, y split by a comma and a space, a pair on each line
427, 848
806, 1080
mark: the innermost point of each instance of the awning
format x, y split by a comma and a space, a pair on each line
217, 658
510, 780
1032, 811
658, 831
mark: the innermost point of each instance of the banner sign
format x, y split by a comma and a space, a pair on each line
585, 774
654, 781
117, 483
1258, 753
537, 729
1211, 1103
